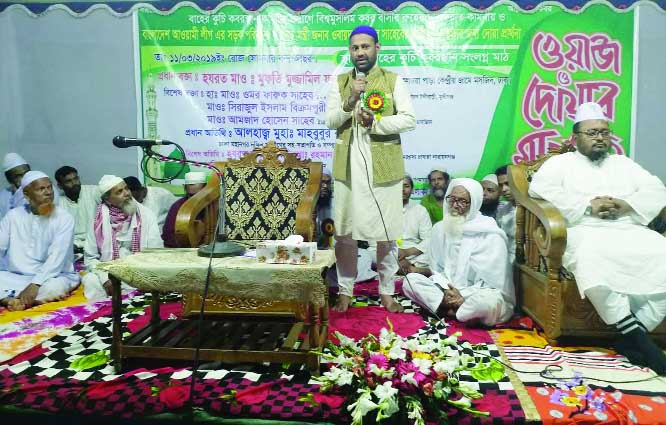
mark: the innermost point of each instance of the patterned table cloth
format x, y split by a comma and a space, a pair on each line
182, 270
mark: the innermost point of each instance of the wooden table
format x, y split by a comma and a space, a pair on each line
233, 339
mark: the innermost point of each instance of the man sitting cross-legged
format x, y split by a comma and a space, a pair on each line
471, 279
607, 202
37, 240
121, 227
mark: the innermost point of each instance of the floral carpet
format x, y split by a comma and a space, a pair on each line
59, 362
70, 372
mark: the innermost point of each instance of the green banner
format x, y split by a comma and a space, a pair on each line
489, 88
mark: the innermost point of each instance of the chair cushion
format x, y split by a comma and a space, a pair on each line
261, 201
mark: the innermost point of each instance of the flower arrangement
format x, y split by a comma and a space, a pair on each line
416, 376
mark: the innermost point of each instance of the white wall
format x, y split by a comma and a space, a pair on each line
67, 87
70, 88
650, 143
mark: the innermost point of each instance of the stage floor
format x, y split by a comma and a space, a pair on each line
55, 360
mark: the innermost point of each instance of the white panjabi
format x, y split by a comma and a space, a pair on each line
476, 264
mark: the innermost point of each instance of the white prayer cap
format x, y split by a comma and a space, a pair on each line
108, 182
13, 160
195, 177
439, 168
491, 178
30, 177
589, 111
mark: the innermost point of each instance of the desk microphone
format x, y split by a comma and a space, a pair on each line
126, 142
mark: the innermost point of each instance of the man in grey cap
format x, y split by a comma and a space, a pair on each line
37, 240
14, 167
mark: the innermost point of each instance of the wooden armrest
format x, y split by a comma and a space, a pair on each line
551, 235
189, 228
305, 225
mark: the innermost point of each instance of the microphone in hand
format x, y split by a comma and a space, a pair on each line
126, 142
360, 76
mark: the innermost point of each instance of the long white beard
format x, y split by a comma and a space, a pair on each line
130, 207
453, 226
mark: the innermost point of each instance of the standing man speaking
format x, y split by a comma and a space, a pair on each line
368, 107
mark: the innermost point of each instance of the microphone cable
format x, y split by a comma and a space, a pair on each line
209, 270
381, 216
149, 154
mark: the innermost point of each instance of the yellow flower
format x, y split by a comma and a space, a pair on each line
571, 401
580, 390
420, 355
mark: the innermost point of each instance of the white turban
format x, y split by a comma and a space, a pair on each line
475, 191
108, 182
195, 177
13, 160
589, 111
491, 178
30, 177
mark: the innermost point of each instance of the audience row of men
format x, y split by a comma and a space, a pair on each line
456, 250
617, 261
42, 231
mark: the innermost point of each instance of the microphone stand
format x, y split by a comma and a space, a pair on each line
226, 247
222, 246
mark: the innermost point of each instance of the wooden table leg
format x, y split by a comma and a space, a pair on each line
323, 328
155, 317
116, 311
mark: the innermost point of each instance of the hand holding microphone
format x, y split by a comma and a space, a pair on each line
358, 88
363, 116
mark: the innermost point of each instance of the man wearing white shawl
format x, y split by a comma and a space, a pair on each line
37, 240
607, 201
121, 227
471, 278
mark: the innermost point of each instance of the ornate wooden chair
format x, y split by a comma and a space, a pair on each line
270, 194
546, 291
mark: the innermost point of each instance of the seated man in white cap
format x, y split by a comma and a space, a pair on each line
79, 200
434, 201
506, 212
470, 278
15, 168
37, 240
491, 196
194, 182
121, 227
156, 199
607, 201
413, 247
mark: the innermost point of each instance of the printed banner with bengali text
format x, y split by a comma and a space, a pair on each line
489, 88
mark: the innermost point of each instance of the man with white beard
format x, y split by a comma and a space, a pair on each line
470, 276
37, 240
121, 227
